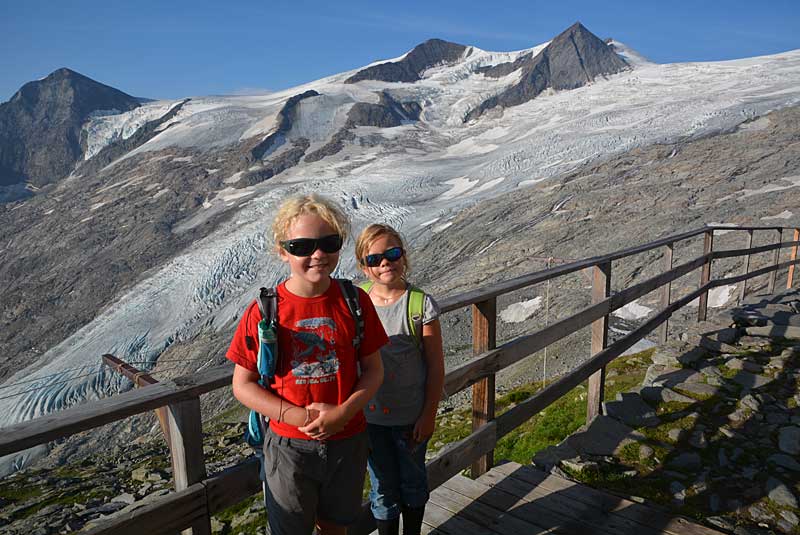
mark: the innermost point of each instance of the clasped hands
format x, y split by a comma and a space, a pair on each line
325, 420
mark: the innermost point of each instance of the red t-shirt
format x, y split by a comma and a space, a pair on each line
316, 357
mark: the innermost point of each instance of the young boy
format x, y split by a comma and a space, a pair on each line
316, 447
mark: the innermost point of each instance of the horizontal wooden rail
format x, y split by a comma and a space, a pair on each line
449, 304
96, 413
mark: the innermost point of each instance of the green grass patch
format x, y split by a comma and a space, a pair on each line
553, 424
17, 492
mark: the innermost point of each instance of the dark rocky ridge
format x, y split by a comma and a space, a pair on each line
41, 126
387, 113
573, 59
409, 69
285, 119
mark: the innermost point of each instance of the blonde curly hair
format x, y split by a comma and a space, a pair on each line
372, 233
315, 204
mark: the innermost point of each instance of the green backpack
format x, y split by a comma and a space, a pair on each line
416, 302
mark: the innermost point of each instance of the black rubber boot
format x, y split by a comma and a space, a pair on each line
388, 527
412, 520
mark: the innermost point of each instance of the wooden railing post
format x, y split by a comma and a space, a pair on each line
601, 289
666, 291
790, 276
773, 275
186, 445
746, 269
484, 338
705, 275
139, 378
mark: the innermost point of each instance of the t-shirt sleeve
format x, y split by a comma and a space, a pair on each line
374, 333
430, 310
244, 346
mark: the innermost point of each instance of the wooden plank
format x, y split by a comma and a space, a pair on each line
165, 515
773, 276
735, 229
728, 253
601, 290
594, 517
499, 511
666, 291
186, 447
705, 275
93, 414
756, 273
455, 302
140, 378
457, 456
232, 485
484, 336
790, 275
470, 372
746, 266
640, 513
441, 521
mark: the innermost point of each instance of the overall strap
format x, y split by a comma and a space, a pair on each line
351, 298
416, 303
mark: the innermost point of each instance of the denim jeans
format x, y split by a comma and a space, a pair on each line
397, 472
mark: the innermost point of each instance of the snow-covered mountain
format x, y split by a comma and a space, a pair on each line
158, 234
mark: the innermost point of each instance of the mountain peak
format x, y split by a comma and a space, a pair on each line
47, 116
425, 55
574, 58
63, 72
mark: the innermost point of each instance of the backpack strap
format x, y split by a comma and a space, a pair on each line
416, 304
268, 306
350, 294
366, 285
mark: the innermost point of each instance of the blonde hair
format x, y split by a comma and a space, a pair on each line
372, 233
314, 204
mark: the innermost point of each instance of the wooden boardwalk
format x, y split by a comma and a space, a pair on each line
512, 499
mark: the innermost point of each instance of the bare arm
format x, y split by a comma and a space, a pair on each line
333, 418
262, 400
434, 359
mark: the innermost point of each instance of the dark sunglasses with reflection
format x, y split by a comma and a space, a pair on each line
374, 260
307, 246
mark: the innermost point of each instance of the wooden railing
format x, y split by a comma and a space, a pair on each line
199, 496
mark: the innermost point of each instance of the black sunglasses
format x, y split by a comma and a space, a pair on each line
307, 246
392, 255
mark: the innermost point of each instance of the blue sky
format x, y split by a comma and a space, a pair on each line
174, 48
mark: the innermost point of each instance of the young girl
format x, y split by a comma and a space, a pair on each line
316, 447
402, 415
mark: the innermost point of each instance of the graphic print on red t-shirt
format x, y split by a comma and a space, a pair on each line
314, 351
